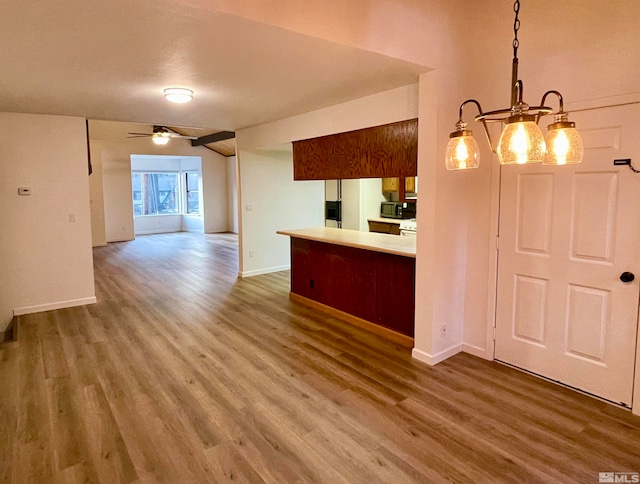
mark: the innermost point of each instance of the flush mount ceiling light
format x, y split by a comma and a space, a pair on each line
178, 95
521, 140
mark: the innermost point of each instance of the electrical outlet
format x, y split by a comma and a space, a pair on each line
250, 253
443, 330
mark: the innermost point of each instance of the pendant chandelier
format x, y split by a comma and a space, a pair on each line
521, 140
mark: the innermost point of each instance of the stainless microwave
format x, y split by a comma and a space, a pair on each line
397, 210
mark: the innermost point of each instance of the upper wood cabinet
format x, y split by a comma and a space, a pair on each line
405, 187
410, 184
390, 150
391, 184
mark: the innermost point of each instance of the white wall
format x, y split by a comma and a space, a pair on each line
416, 31
98, 235
232, 185
156, 163
158, 224
215, 193
387, 107
46, 259
271, 201
115, 150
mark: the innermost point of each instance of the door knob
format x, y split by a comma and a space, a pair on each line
627, 277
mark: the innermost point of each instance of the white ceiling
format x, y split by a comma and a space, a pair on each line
111, 59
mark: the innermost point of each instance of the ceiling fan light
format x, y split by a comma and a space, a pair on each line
462, 152
564, 145
178, 95
521, 142
160, 138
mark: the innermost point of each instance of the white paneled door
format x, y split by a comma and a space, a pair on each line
567, 234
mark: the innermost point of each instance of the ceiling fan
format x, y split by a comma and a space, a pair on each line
161, 135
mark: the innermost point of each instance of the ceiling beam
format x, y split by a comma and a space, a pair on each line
213, 138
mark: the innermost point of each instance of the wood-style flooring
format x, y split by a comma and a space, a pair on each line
183, 373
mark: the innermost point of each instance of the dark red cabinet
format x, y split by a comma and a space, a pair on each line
389, 150
374, 286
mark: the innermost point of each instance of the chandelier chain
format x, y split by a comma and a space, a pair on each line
516, 27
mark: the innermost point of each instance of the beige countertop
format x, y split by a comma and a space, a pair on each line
387, 243
385, 220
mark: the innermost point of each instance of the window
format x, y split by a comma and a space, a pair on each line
155, 193
192, 194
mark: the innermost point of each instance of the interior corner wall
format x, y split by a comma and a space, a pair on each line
271, 201
45, 257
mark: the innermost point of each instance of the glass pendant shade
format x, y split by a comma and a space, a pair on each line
564, 145
463, 152
521, 142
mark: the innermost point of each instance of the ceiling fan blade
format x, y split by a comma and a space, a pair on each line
166, 134
175, 135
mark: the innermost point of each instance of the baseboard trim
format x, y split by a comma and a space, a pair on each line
113, 241
259, 272
438, 357
158, 231
56, 305
386, 333
476, 351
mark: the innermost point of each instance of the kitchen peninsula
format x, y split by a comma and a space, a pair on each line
364, 278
